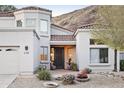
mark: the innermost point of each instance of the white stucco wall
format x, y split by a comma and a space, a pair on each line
82, 49
7, 22
44, 37
21, 38
36, 52
83, 52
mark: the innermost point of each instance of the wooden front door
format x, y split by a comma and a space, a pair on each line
59, 57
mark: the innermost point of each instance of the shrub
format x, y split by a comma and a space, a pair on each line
74, 67
122, 65
68, 79
88, 70
40, 68
44, 75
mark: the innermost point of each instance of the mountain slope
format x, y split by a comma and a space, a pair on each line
76, 18
80, 17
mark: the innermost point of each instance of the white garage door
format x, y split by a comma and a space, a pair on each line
9, 60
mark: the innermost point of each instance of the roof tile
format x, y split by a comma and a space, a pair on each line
62, 38
6, 14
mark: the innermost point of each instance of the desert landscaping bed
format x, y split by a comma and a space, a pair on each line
97, 80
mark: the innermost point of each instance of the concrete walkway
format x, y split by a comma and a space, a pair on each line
6, 80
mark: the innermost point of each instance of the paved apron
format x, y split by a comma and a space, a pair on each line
6, 80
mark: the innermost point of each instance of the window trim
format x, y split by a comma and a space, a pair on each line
45, 32
121, 55
43, 53
100, 63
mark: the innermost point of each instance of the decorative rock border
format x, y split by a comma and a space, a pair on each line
110, 74
83, 80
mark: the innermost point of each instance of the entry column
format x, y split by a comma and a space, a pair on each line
82, 48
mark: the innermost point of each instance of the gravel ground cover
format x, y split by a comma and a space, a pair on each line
97, 80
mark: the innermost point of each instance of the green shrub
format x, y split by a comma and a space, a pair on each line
44, 75
74, 67
122, 65
68, 79
40, 68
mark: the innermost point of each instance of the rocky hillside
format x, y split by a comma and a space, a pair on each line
76, 18
80, 17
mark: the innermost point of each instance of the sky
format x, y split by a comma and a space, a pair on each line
58, 9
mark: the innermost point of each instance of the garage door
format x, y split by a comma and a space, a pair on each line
9, 60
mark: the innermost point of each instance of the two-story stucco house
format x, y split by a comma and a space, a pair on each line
28, 39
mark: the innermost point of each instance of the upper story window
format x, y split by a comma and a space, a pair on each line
44, 26
30, 22
19, 23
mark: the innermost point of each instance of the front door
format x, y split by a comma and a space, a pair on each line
59, 57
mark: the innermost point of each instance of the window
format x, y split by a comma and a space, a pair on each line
30, 22
44, 53
26, 48
99, 55
52, 54
44, 26
19, 23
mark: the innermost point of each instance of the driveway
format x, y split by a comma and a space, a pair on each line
6, 80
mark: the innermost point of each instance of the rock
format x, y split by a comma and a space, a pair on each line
58, 78
122, 77
50, 84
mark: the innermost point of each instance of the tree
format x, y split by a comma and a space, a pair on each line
111, 30
7, 8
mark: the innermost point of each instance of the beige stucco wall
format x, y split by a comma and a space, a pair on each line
69, 54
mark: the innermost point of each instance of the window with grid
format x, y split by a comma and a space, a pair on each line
44, 53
